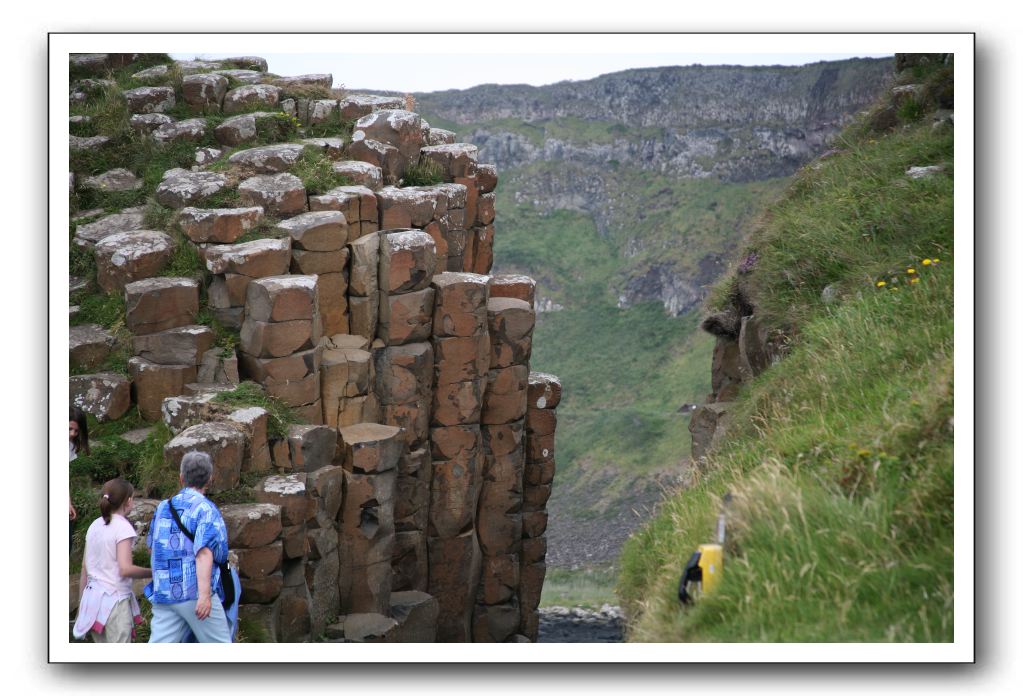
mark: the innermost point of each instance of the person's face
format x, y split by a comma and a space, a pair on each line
72, 430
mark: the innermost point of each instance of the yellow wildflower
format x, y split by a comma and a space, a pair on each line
926, 262
914, 281
910, 271
881, 283
864, 453
936, 261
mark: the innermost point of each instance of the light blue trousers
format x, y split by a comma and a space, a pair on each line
171, 623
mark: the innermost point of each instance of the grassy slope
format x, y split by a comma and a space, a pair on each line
840, 457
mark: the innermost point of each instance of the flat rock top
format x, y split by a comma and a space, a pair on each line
241, 75
202, 432
266, 150
149, 92
364, 433
256, 246
306, 221
346, 341
397, 119
373, 100
155, 284
181, 177
454, 148
355, 166
409, 194
149, 73
509, 279
407, 239
89, 333
338, 356
272, 182
135, 242
503, 304
449, 278
343, 191
107, 379
251, 511
127, 219
284, 282
289, 484
261, 91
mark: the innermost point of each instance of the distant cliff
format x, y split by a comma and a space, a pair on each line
730, 122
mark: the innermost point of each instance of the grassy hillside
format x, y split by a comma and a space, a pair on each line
839, 457
626, 370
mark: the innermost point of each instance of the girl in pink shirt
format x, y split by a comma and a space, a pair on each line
108, 610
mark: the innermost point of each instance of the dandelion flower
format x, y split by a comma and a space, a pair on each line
936, 261
926, 262
910, 271
864, 453
914, 281
881, 283
896, 289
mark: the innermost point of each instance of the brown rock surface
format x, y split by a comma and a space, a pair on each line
158, 304
510, 322
152, 383
281, 195
124, 257
218, 225
256, 259
544, 390
407, 261
405, 318
371, 448
183, 345
278, 339
105, 395
281, 298
223, 442
460, 308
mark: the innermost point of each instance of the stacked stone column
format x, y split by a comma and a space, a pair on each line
280, 341
318, 248
357, 203
544, 394
168, 347
510, 326
461, 359
366, 536
234, 266
255, 534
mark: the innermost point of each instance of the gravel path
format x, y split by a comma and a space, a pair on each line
576, 625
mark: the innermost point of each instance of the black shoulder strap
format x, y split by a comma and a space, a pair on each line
691, 573
177, 518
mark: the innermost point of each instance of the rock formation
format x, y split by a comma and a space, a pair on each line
409, 502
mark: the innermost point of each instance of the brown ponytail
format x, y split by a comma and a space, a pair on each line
115, 492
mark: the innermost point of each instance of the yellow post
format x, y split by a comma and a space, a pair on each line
711, 566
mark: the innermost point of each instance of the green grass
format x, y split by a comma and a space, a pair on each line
281, 416
839, 458
99, 308
426, 172
590, 588
316, 170
334, 127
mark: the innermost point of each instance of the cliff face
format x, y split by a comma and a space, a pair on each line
619, 146
733, 123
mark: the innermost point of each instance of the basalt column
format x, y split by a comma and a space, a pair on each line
366, 537
461, 360
510, 325
280, 341
544, 394
318, 248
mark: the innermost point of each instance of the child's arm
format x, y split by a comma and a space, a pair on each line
125, 565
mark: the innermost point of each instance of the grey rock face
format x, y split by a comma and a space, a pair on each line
316, 79
89, 345
191, 67
128, 219
269, 159
148, 100
240, 129
181, 188
279, 194
113, 180
189, 130
147, 123
77, 143
245, 77
157, 71
105, 395
128, 256
204, 91
247, 97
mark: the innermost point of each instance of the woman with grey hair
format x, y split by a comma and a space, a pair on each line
188, 542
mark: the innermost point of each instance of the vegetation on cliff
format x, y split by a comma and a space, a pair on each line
838, 458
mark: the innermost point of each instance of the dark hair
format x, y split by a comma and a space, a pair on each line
115, 492
82, 439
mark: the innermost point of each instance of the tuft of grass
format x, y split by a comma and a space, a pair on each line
281, 416
279, 129
99, 308
333, 127
251, 631
316, 170
426, 172
244, 492
305, 92
153, 477
186, 261
266, 228
157, 216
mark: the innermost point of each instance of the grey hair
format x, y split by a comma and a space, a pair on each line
196, 469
